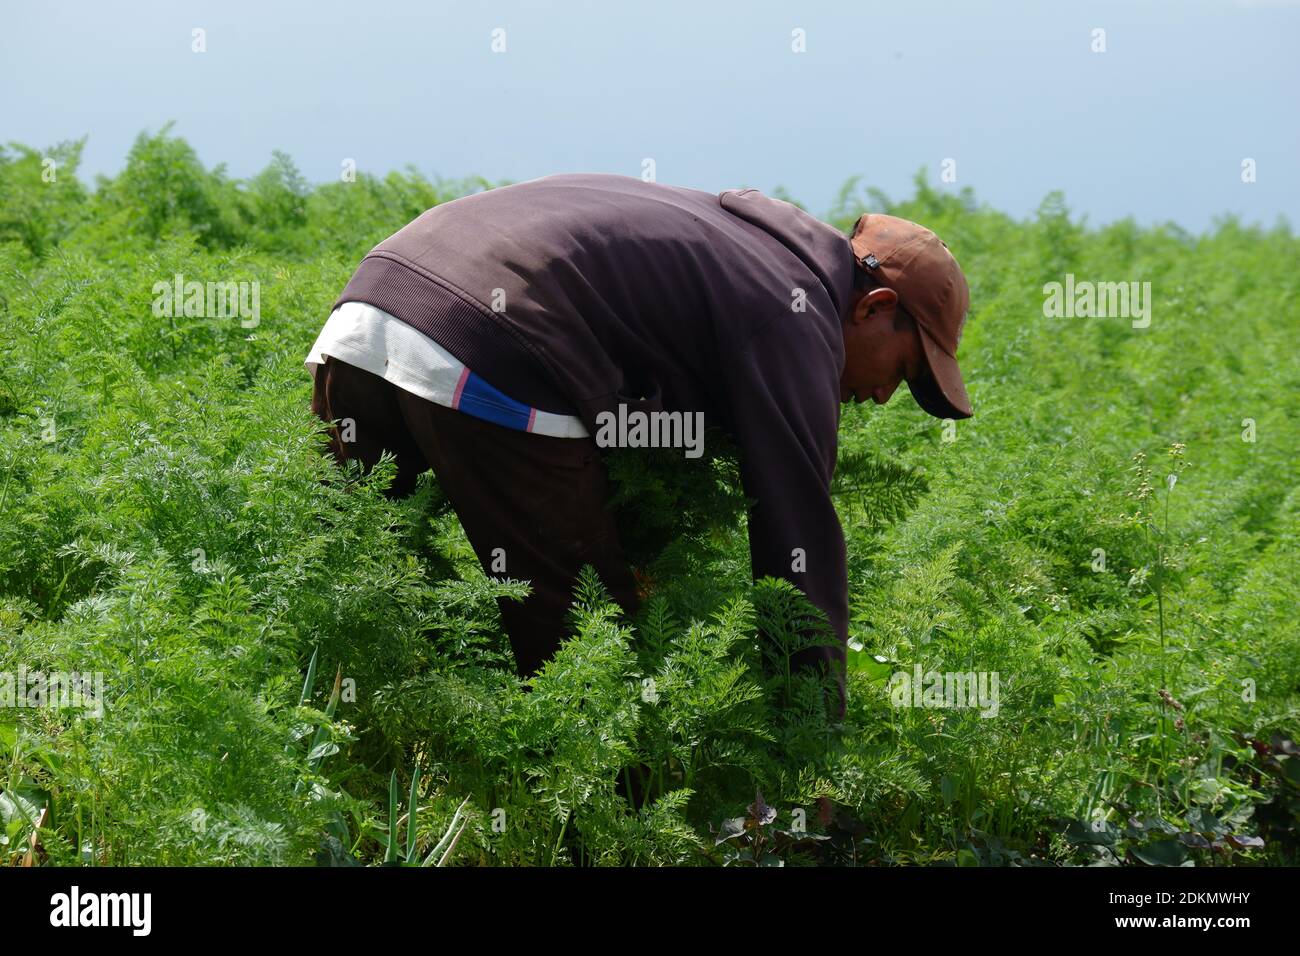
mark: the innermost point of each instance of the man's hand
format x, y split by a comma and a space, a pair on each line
825, 811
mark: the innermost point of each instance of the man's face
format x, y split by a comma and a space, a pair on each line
882, 348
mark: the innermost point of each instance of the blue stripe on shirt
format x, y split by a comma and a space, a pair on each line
480, 399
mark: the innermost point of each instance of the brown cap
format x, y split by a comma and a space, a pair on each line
917, 265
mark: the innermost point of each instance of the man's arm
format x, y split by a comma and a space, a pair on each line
785, 396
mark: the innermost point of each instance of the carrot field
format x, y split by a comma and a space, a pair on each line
278, 664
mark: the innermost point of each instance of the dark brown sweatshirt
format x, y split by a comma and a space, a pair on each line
578, 292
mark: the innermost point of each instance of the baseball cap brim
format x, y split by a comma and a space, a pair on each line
940, 391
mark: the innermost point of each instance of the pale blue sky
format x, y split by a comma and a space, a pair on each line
1157, 126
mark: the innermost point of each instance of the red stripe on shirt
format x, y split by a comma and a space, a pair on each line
460, 387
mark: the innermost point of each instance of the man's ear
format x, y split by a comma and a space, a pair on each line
878, 300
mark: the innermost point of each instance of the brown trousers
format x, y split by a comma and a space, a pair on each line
540, 500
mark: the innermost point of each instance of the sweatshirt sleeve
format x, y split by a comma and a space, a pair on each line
785, 400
